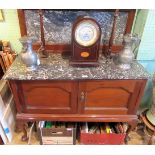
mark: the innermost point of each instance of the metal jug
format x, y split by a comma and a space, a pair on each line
126, 56
28, 56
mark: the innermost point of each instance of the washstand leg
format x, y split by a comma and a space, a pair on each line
132, 126
18, 127
24, 137
22, 126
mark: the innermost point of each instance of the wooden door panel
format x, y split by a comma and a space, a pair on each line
105, 97
127, 85
57, 97
49, 97
108, 96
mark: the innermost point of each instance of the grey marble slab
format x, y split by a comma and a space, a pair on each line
58, 24
56, 68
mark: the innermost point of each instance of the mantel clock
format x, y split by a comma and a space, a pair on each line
86, 34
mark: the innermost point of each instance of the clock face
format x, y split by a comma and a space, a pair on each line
86, 33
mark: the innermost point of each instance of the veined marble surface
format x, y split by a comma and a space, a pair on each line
56, 68
58, 24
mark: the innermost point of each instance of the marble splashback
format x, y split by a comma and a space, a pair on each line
58, 24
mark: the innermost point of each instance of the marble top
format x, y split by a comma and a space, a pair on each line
56, 68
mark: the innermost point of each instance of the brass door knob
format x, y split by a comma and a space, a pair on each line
82, 97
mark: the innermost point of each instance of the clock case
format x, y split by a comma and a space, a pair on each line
76, 59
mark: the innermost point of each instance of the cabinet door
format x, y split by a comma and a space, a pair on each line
114, 97
55, 97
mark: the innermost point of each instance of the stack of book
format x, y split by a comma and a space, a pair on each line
57, 133
99, 128
102, 133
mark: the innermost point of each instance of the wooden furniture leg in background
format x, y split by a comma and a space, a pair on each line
22, 126
24, 137
151, 139
148, 125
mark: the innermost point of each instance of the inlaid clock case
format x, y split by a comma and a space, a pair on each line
86, 35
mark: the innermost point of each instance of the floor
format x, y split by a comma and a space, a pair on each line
135, 138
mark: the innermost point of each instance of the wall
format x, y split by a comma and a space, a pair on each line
140, 20
147, 47
145, 27
139, 24
146, 53
9, 29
